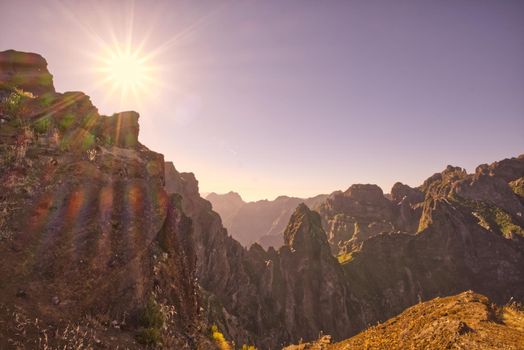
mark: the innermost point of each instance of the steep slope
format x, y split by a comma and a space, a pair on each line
266, 298
464, 321
458, 244
454, 250
93, 251
260, 221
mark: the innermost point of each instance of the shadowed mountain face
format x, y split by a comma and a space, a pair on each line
103, 244
93, 251
262, 221
464, 321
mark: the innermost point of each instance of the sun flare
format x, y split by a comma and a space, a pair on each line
126, 72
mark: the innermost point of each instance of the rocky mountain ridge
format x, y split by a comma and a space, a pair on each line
453, 244
103, 243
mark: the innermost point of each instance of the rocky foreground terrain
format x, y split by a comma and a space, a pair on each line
104, 245
464, 321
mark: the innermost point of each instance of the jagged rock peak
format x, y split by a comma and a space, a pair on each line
508, 169
183, 183
365, 192
304, 231
26, 71
399, 191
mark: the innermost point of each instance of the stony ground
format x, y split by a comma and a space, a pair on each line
464, 321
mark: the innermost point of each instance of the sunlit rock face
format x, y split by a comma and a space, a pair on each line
359, 213
27, 71
88, 234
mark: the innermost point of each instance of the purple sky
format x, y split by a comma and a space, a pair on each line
301, 97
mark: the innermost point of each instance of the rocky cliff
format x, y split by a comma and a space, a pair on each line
267, 298
93, 251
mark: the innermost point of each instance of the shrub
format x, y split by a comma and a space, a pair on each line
149, 336
152, 316
345, 258
66, 121
88, 141
42, 125
152, 319
11, 104
219, 338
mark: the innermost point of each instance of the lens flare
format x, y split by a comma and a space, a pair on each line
126, 72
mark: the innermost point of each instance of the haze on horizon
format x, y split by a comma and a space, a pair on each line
271, 98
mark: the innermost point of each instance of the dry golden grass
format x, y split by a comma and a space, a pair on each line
465, 321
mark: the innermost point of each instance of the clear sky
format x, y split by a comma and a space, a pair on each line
299, 97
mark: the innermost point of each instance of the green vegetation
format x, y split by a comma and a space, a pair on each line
149, 336
11, 104
494, 217
518, 187
152, 319
88, 141
506, 224
219, 338
47, 99
491, 217
152, 315
42, 125
66, 121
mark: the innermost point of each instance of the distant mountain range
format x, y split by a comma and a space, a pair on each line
261, 221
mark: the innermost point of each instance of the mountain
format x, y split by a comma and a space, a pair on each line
93, 251
447, 238
260, 221
227, 205
464, 321
104, 244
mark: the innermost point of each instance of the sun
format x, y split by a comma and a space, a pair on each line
127, 72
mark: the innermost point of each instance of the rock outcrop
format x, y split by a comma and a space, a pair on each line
26, 71
93, 251
359, 213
